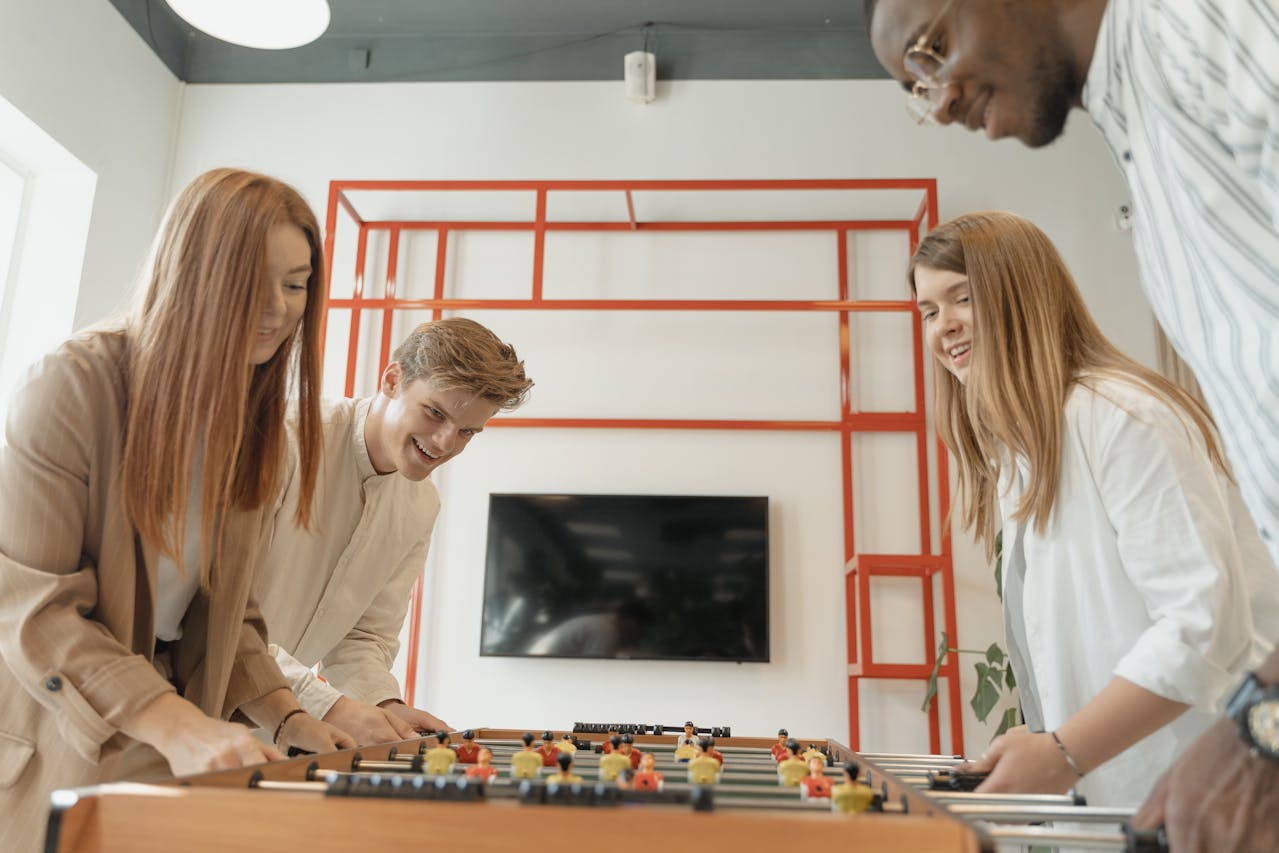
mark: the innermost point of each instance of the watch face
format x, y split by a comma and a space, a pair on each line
1263, 723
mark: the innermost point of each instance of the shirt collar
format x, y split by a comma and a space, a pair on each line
363, 463
1101, 85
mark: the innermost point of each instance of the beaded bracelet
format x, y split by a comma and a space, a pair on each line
1066, 755
280, 728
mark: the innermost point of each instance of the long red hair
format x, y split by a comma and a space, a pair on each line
191, 389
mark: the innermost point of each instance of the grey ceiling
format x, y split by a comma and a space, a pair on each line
532, 40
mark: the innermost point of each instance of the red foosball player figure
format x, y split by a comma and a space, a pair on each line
526, 763
441, 758
469, 751
628, 749
614, 762
793, 768
566, 744
704, 769
548, 750
852, 796
565, 775
779, 749
813, 752
816, 785
648, 779
712, 751
607, 746
483, 769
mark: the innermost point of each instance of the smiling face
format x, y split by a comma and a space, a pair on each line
288, 268
1008, 66
415, 427
946, 310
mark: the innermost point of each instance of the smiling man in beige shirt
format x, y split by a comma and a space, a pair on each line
337, 594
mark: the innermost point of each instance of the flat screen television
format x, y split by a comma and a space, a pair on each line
626, 576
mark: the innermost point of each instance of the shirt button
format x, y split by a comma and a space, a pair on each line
1127, 156
53, 684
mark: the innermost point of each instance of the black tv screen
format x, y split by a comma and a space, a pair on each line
626, 576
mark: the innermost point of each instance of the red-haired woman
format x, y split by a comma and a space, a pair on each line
141, 455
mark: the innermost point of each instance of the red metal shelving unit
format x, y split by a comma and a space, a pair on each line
932, 569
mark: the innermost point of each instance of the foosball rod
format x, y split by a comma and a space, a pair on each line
1027, 814
1034, 837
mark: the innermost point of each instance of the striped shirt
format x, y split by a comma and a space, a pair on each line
1186, 94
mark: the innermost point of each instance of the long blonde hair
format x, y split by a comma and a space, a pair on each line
1034, 340
189, 376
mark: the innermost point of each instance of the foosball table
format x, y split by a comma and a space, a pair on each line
384, 799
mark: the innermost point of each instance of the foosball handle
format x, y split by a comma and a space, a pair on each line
949, 780
1145, 840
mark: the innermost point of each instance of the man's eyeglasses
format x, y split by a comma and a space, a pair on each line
925, 63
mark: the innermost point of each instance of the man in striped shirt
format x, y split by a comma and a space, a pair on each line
1186, 94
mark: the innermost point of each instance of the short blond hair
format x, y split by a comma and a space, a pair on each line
460, 354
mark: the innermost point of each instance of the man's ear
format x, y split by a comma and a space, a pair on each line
391, 379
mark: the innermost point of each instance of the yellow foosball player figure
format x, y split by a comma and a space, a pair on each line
440, 759
779, 749
565, 776
689, 734
648, 779
791, 770
704, 769
526, 763
852, 796
482, 770
565, 744
816, 785
614, 762
813, 752
469, 751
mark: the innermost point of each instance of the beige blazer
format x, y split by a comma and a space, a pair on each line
77, 595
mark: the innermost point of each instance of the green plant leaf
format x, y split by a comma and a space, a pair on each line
1007, 721
985, 698
995, 654
983, 671
942, 648
999, 565
1008, 677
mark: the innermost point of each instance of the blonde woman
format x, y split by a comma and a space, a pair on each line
140, 458
1136, 590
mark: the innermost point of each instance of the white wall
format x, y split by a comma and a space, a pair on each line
80, 72
308, 135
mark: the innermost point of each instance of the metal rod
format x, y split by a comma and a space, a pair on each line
1081, 814
1033, 835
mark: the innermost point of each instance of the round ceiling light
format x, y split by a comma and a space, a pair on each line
266, 24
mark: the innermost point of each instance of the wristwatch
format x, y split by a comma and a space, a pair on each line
1256, 709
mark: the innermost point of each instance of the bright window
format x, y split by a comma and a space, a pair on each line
46, 200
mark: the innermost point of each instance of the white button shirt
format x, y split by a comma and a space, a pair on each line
337, 594
1150, 569
1187, 97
